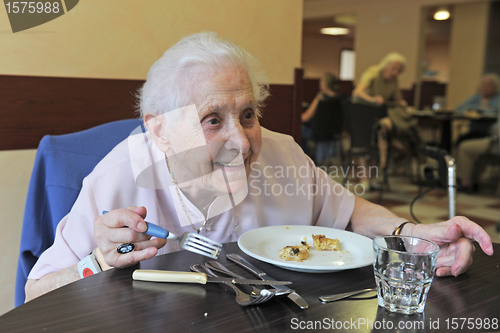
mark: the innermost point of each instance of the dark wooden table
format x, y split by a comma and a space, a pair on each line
112, 302
443, 121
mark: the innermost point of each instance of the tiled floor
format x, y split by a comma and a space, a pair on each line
482, 208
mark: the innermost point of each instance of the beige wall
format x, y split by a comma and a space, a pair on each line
468, 47
388, 26
437, 54
122, 38
322, 53
15, 173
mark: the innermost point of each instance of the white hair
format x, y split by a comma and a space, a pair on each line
393, 57
495, 79
165, 89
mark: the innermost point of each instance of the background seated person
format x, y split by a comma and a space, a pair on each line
206, 164
379, 86
469, 151
328, 90
485, 102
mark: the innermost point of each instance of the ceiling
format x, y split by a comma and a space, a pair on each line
434, 30
313, 26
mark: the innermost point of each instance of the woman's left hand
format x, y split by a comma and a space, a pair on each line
454, 238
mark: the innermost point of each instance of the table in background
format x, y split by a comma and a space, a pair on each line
443, 120
112, 302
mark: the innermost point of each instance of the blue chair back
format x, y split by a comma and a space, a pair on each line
61, 164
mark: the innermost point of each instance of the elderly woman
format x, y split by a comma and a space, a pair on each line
379, 86
205, 164
468, 153
482, 136
485, 102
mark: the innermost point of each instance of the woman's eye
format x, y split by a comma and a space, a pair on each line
214, 121
249, 115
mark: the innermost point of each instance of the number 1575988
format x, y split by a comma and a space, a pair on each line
472, 323
31, 7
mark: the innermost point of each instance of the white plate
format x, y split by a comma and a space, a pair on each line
265, 243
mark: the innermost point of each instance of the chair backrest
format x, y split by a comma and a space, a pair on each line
61, 164
328, 119
362, 120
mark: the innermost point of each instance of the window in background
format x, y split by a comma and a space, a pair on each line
347, 65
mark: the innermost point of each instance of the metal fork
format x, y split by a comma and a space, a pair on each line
189, 241
243, 299
218, 267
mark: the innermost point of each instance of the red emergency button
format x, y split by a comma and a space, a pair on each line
87, 272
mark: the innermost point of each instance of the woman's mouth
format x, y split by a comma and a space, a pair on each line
231, 165
235, 165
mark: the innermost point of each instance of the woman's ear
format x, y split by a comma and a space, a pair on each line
158, 131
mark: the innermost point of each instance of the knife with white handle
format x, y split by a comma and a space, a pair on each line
189, 277
296, 298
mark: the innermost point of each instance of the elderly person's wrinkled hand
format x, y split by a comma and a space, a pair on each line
125, 226
454, 238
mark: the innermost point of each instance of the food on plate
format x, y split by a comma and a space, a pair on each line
321, 243
295, 253
301, 252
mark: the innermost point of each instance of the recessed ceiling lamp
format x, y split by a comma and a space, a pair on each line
442, 14
335, 31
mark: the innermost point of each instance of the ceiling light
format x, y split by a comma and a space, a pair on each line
441, 15
335, 31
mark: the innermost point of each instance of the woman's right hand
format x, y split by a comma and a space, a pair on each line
125, 225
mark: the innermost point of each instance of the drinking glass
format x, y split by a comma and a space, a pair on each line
404, 267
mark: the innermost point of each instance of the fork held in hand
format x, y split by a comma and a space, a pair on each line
189, 241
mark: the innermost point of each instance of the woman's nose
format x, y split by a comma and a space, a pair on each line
236, 138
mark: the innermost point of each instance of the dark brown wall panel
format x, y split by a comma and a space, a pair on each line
31, 107
276, 115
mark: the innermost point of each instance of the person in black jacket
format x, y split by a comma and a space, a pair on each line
322, 121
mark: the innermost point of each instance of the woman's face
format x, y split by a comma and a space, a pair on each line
391, 71
487, 87
214, 145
